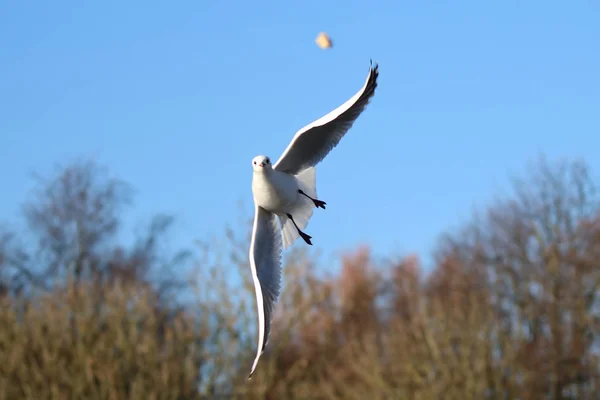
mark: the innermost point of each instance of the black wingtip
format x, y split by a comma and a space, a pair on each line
373, 68
251, 374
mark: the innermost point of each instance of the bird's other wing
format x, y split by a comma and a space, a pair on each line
312, 143
265, 262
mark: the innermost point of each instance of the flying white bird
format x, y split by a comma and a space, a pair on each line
287, 191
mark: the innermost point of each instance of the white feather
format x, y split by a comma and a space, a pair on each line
265, 263
312, 143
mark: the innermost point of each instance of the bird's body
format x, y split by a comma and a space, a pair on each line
275, 191
285, 195
287, 191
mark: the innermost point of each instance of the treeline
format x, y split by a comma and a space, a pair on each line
509, 309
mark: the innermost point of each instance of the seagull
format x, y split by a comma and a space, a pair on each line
286, 192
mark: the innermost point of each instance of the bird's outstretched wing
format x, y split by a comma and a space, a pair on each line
265, 262
312, 143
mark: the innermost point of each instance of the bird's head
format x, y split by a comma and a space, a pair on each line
261, 163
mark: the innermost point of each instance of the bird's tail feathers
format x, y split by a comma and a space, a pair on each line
307, 181
301, 214
288, 232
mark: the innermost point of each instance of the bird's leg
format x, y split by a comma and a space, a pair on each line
302, 234
318, 203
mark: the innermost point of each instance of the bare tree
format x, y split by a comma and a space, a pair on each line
72, 216
540, 252
74, 220
509, 308
94, 319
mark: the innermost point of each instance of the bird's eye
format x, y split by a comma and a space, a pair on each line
254, 162
268, 161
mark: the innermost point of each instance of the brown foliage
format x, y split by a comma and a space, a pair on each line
509, 309
92, 342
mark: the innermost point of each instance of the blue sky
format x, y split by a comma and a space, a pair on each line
178, 97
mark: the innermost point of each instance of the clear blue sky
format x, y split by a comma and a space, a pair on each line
178, 97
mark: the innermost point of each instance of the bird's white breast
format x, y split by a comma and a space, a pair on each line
275, 191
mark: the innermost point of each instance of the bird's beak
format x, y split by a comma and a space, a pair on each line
262, 164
